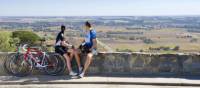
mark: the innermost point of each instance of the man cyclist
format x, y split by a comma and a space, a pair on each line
61, 47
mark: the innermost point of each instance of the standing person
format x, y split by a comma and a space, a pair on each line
61, 48
89, 47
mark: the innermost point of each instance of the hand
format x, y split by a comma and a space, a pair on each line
94, 52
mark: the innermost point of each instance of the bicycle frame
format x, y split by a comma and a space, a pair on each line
29, 55
33, 57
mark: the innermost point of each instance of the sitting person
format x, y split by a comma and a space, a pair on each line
61, 47
88, 47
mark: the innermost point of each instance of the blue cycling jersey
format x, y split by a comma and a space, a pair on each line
89, 37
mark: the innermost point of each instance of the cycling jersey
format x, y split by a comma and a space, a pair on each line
59, 38
58, 47
89, 37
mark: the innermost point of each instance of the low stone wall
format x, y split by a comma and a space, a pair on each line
138, 64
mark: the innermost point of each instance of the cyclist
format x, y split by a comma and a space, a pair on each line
61, 47
89, 47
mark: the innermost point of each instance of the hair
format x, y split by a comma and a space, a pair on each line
88, 24
62, 27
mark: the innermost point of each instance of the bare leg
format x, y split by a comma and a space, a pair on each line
88, 61
71, 55
68, 62
76, 54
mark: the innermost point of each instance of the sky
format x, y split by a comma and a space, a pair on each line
99, 7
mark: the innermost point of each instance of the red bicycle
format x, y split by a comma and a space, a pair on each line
35, 58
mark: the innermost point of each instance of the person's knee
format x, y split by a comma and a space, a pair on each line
66, 56
76, 52
89, 55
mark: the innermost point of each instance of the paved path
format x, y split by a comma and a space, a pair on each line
164, 81
89, 86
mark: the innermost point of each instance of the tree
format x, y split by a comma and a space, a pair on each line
148, 41
6, 42
124, 50
132, 38
193, 40
176, 48
26, 37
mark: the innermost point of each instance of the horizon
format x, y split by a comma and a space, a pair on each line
99, 8
114, 16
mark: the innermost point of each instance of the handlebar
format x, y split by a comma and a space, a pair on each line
24, 47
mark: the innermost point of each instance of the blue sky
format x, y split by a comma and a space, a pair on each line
98, 7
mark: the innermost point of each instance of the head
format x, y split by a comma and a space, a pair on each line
87, 25
62, 28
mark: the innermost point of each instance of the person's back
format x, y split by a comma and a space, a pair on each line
59, 38
59, 48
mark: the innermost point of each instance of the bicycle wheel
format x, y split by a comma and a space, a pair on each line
62, 64
19, 67
51, 63
6, 63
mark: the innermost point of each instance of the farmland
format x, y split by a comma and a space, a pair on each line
121, 34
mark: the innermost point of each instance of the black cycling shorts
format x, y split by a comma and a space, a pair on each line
61, 50
84, 49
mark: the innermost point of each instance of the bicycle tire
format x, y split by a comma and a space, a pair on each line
19, 67
62, 64
6, 64
52, 64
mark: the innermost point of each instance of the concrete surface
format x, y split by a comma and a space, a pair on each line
88, 86
160, 81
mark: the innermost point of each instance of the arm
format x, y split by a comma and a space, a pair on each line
94, 43
94, 40
63, 43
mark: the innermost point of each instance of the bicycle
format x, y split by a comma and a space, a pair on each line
10, 57
35, 58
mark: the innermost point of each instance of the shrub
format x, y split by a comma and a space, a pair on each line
26, 37
124, 50
166, 48
132, 38
193, 40
148, 41
176, 48
6, 42
141, 50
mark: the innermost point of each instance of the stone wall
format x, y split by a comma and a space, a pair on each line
138, 64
